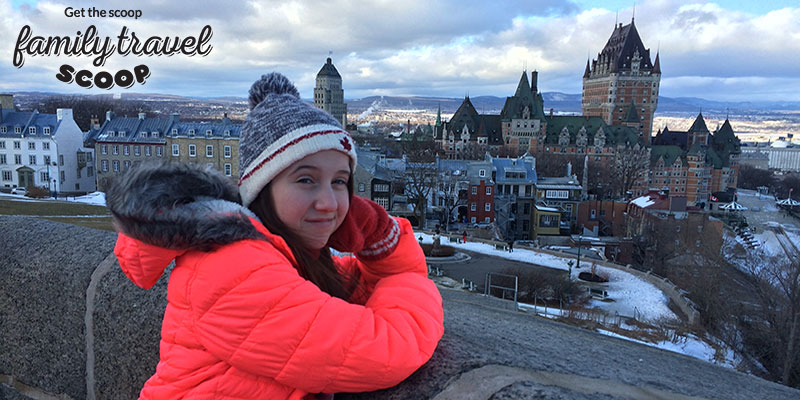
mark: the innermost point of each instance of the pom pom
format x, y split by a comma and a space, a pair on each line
272, 83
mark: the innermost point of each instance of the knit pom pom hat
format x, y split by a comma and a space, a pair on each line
280, 130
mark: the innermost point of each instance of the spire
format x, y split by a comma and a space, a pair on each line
588, 71
523, 87
657, 65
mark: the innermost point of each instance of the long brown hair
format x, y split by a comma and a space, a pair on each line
321, 269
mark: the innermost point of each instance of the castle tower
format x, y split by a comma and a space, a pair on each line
328, 93
621, 76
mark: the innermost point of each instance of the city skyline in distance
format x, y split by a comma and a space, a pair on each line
722, 51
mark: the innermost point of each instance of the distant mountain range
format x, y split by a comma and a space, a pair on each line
564, 103
559, 102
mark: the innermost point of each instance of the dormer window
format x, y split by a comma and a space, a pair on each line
227, 132
174, 131
17, 129
46, 130
208, 132
3, 129
32, 130
121, 133
191, 132
111, 133
143, 135
154, 134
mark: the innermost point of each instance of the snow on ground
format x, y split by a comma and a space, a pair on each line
769, 243
95, 198
689, 345
631, 295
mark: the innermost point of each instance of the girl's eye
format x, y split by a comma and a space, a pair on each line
340, 181
305, 180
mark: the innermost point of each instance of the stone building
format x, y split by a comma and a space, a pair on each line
328, 92
692, 164
124, 142
43, 150
623, 79
515, 197
215, 144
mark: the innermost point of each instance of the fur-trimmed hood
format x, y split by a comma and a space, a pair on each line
178, 206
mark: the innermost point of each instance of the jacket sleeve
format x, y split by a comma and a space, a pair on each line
268, 321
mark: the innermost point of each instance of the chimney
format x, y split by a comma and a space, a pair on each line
534, 81
64, 114
569, 169
225, 119
142, 115
6, 103
551, 113
94, 122
174, 117
109, 115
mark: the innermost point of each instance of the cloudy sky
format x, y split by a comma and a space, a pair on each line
724, 50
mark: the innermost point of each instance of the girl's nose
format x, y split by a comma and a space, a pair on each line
326, 199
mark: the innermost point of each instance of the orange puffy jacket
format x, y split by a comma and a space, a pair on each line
241, 323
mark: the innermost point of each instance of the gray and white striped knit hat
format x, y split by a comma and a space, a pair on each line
280, 130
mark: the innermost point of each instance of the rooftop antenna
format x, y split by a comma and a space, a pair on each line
616, 18
634, 11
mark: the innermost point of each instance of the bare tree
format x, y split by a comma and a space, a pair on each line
453, 190
420, 180
85, 108
772, 332
628, 162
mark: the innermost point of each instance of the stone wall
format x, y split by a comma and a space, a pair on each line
73, 327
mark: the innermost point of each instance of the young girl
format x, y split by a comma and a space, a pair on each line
257, 306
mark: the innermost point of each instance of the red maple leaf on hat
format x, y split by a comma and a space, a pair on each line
345, 143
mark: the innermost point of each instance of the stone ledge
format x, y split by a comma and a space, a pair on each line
511, 355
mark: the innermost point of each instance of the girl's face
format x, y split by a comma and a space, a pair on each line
311, 196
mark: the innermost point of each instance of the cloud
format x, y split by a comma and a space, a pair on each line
440, 48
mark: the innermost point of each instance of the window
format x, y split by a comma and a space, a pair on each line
127, 164
61, 160
228, 170
63, 176
209, 150
46, 146
32, 130
208, 132
31, 145
137, 151
32, 160
474, 190
192, 150
176, 150
3, 129
473, 219
46, 160
361, 187
2, 145
473, 207
526, 209
147, 151
46, 130
115, 149
593, 214
44, 176
104, 149
143, 135
174, 131
89, 171
482, 173
488, 190
2, 158
227, 150
104, 165
17, 129
17, 158
159, 151
17, 145
6, 175
487, 207
126, 150
191, 132
487, 220
116, 165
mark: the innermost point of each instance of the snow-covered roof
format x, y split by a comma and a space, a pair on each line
643, 202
